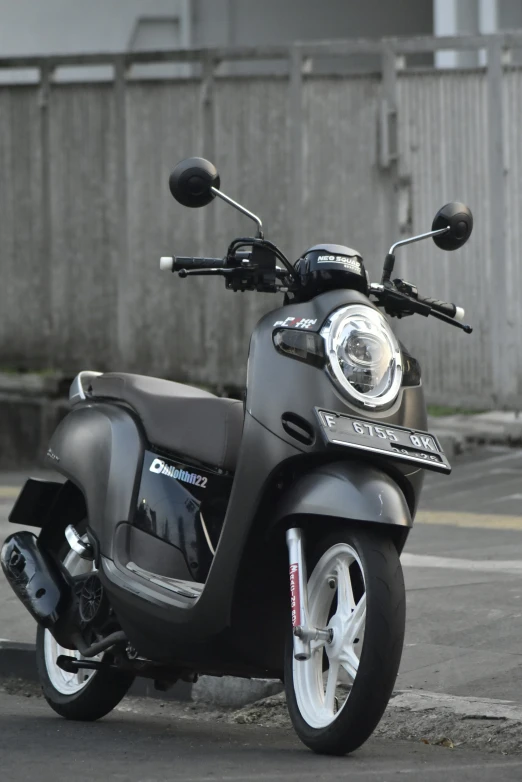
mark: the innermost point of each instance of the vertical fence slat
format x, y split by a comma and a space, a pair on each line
501, 355
123, 333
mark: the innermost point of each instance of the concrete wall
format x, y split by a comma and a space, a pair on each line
85, 214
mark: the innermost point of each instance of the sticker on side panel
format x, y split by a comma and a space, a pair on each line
160, 467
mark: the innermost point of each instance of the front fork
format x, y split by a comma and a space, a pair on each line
302, 629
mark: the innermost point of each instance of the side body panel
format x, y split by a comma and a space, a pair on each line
100, 448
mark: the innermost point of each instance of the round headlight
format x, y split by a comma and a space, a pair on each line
363, 355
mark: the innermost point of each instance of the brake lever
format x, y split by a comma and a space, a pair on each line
452, 322
204, 272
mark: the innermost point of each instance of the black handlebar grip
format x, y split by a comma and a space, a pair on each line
444, 307
178, 262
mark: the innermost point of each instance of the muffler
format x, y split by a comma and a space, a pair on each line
37, 580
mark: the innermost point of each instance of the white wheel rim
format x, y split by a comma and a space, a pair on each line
67, 683
321, 696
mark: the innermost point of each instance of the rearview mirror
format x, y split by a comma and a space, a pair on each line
459, 219
192, 181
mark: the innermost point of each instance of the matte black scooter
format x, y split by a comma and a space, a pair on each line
165, 552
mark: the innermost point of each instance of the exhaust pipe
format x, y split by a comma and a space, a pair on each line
36, 579
47, 591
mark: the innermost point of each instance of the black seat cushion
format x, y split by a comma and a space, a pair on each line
180, 418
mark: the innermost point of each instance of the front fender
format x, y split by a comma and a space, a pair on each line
350, 491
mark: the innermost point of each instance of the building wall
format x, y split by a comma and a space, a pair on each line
75, 26
251, 22
509, 14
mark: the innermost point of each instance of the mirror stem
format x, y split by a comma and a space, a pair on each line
390, 258
241, 209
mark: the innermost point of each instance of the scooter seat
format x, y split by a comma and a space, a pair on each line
183, 419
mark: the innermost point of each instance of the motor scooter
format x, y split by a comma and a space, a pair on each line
258, 538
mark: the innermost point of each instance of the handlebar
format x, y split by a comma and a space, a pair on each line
399, 298
444, 307
178, 262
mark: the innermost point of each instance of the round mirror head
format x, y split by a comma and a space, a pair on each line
460, 221
191, 182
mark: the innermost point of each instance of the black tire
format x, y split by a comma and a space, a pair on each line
99, 696
381, 652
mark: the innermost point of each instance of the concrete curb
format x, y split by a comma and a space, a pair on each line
18, 661
464, 706
419, 701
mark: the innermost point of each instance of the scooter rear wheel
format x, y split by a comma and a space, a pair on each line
356, 590
87, 695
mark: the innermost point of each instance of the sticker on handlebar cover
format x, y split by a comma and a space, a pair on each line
350, 263
295, 323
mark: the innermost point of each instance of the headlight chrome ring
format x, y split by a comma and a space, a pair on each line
363, 357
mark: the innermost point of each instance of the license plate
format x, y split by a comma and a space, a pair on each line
397, 442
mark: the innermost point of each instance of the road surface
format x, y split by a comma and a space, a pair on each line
131, 746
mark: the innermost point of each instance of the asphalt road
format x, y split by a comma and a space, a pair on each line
463, 571
131, 746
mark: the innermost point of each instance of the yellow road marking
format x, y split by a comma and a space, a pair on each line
471, 520
9, 492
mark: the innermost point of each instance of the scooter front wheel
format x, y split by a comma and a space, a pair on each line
356, 590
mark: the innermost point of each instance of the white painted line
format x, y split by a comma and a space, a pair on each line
507, 497
513, 567
473, 471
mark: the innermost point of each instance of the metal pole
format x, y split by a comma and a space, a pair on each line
502, 354
296, 178
389, 152
46, 236
208, 141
